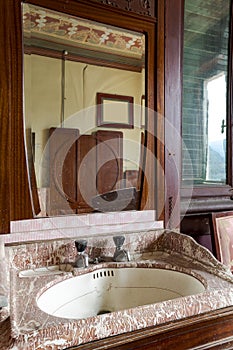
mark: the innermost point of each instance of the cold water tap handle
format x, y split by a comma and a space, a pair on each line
81, 245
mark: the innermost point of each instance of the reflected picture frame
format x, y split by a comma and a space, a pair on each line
223, 237
115, 111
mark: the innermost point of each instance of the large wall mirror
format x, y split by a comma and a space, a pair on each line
86, 90
64, 97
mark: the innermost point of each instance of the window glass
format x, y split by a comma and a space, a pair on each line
205, 70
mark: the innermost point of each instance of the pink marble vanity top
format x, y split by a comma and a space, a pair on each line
31, 328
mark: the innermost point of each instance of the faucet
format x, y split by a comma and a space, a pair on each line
120, 254
82, 257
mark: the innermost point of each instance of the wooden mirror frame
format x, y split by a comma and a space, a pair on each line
16, 193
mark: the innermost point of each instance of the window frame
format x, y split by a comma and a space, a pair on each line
209, 195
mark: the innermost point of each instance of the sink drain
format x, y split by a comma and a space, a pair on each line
101, 312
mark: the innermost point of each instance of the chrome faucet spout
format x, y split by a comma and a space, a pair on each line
81, 260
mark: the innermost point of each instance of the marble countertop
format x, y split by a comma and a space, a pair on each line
30, 325
29, 328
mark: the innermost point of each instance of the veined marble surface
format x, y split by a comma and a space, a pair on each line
30, 328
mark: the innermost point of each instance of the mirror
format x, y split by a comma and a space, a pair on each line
84, 108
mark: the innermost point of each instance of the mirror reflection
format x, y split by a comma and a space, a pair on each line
84, 87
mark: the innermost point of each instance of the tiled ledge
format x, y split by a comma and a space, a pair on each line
81, 225
81, 220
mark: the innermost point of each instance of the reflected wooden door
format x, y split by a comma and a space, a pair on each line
86, 172
109, 160
63, 171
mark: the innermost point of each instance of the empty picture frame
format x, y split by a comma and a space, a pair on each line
115, 111
223, 236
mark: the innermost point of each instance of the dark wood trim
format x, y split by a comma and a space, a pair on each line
15, 198
206, 205
230, 106
149, 168
205, 199
208, 191
146, 8
160, 110
174, 16
101, 13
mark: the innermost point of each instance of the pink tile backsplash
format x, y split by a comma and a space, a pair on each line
81, 225
113, 218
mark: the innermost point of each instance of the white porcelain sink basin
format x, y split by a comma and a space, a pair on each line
107, 290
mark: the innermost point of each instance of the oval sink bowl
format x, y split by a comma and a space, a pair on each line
111, 289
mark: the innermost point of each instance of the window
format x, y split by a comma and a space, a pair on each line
204, 106
215, 105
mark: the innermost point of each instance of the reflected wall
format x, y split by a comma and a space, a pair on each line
67, 62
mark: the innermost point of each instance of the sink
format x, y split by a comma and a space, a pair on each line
112, 289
